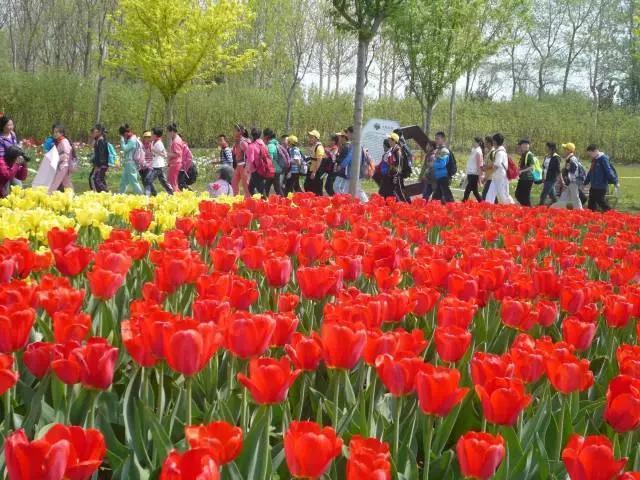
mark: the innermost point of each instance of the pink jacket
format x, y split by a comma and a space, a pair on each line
253, 152
8, 173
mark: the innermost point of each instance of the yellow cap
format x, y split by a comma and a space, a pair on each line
394, 136
315, 133
292, 139
569, 147
146, 135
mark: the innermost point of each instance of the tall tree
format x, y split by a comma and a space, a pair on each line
457, 41
170, 47
579, 15
362, 18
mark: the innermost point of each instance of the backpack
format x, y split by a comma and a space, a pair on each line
615, 174
513, 172
187, 158
113, 156
264, 165
284, 159
452, 165
138, 154
368, 166
536, 170
191, 174
406, 160
581, 172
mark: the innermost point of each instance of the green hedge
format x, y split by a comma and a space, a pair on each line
37, 101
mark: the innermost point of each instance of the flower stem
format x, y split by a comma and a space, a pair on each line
267, 454
336, 399
93, 404
8, 414
188, 384
427, 423
68, 402
561, 431
396, 429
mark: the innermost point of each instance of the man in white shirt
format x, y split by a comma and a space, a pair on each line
499, 181
159, 161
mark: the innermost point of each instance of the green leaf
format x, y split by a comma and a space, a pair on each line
254, 447
161, 441
135, 432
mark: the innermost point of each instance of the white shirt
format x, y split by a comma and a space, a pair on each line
501, 164
472, 162
159, 155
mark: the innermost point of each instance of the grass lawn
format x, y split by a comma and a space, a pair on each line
629, 182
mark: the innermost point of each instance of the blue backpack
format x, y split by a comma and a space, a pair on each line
113, 156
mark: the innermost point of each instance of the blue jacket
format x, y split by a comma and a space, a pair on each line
601, 174
440, 167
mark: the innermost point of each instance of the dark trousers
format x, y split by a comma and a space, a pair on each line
149, 176
548, 190
328, 184
428, 190
98, 179
472, 186
292, 184
598, 199
485, 189
443, 190
257, 184
276, 182
392, 186
314, 184
523, 192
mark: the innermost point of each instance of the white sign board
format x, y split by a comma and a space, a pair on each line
374, 134
47, 171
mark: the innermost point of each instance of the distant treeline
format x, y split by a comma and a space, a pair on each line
36, 101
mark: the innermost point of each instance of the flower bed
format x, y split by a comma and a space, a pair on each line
316, 338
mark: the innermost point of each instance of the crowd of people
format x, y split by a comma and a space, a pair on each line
257, 161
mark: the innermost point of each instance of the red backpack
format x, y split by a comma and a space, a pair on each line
263, 163
513, 171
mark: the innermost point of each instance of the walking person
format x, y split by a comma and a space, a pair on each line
147, 174
475, 163
279, 163
259, 164
441, 174
427, 173
65, 164
8, 139
292, 183
240, 151
499, 187
313, 183
550, 173
176, 153
600, 176
129, 144
99, 160
525, 181
391, 171
332, 166
226, 154
159, 161
489, 157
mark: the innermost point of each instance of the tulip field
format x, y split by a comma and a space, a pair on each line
317, 338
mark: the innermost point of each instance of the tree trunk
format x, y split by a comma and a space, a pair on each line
427, 116
358, 114
452, 114
169, 104
99, 90
147, 109
86, 67
321, 68
541, 80
290, 95
337, 89
467, 85
567, 68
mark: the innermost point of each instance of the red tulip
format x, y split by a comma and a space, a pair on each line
223, 440
527, 359
629, 476
277, 271
97, 362
87, 449
104, 284
7, 267
185, 225
462, 286
516, 314
206, 231
453, 311
224, 260
568, 373
38, 357
211, 310
628, 357
16, 322
591, 458
140, 219
480, 454
287, 302
622, 410
351, 266
72, 259
8, 377
547, 313
316, 283
485, 366
438, 390
138, 346
115, 262
578, 333
387, 279
369, 459
286, 324
503, 399
310, 449
424, 299
617, 311
248, 335
398, 374
68, 327
452, 342
269, 380
572, 299
253, 256
58, 238
343, 344
189, 345
59, 299
196, 464
305, 353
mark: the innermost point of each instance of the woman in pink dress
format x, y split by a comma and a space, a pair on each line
65, 151
175, 157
